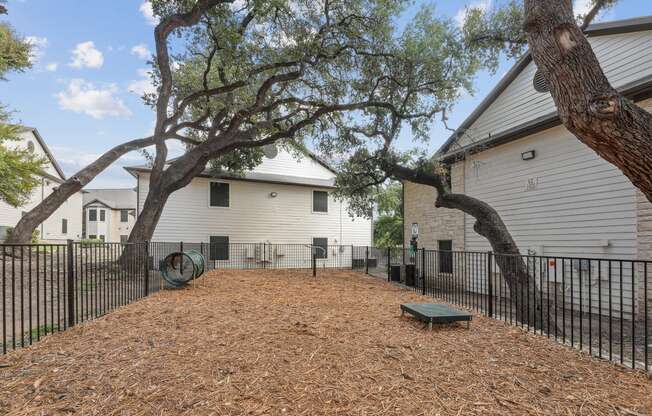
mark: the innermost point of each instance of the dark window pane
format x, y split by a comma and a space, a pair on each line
319, 201
124, 238
219, 248
219, 194
64, 226
320, 247
92, 215
92, 237
445, 256
102, 215
124, 215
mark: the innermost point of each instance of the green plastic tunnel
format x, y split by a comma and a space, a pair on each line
180, 268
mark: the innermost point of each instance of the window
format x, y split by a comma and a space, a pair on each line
319, 201
102, 237
124, 215
320, 247
92, 215
92, 237
219, 247
102, 215
64, 226
219, 194
445, 256
124, 238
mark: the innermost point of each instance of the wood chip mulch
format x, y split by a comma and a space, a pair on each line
284, 343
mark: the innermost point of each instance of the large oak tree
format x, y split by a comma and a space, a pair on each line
613, 126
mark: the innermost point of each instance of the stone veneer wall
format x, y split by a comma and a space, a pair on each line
644, 250
434, 223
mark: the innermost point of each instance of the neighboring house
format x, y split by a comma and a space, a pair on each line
109, 214
64, 223
556, 196
285, 199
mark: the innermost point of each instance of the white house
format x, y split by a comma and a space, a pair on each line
65, 223
109, 214
556, 196
285, 200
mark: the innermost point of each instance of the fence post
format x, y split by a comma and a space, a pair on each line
389, 264
490, 287
71, 285
366, 260
146, 268
314, 263
352, 267
423, 270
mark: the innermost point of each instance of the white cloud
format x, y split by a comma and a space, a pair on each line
52, 66
38, 47
460, 17
86, 56
141, 51
84, 97
146, 9
144, 85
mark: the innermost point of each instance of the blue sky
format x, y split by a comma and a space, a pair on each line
90, 65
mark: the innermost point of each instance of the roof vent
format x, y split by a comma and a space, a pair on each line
539, 82
270, 151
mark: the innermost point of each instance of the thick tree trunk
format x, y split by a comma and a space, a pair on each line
22, 232
178, 174
522, 284
613, 126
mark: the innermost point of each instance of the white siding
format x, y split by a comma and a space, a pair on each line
51, 228
254, 216
579, 200
289, 164
624, 58
566, 202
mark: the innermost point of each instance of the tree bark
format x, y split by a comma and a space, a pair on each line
618, 130
522, 284
22, 232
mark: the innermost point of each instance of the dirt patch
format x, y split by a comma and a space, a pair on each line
283, 343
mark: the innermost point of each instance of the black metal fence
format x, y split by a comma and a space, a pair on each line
46, 288
602, 306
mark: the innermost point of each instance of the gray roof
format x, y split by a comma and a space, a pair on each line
112, 198
596, 29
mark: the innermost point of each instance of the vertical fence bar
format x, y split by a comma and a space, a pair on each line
490, 286
389, 264
314, 262
366, 260
71, 285
423, 271
146, 248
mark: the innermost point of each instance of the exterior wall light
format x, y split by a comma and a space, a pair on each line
273, 194
529, 155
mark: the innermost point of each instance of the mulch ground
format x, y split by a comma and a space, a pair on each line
284, 343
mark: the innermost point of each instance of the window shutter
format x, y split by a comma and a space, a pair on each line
64, 226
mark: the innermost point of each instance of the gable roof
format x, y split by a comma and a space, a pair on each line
266, 177
639, 89
46, 149
124, 198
